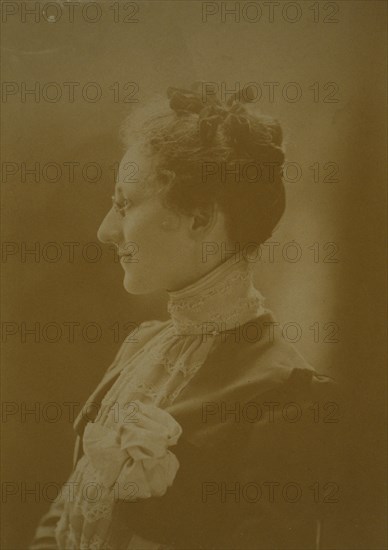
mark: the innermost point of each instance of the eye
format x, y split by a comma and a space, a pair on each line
121, 206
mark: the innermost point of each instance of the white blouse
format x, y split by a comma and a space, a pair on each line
127, 452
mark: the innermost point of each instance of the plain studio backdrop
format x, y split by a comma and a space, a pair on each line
332, 296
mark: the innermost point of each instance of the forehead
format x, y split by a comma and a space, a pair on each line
135, 171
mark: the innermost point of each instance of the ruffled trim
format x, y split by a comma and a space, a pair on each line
129, 460
135, 449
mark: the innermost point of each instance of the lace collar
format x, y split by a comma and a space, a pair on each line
223, 299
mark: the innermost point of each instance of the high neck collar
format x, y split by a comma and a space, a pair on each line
223, 299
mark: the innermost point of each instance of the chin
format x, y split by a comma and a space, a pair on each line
138, 285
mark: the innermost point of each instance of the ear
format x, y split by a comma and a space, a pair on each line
203, 219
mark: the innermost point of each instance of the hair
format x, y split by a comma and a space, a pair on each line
206, 153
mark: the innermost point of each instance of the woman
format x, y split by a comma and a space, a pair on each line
186, 443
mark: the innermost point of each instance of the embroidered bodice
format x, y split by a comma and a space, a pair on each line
127, 452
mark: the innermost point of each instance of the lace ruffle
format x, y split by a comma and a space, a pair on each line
128, 461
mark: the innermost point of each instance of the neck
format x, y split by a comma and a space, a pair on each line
202, 269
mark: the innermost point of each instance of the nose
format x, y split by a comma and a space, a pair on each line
110, 229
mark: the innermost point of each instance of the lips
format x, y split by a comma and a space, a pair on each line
125, 257
126, 254
122, 252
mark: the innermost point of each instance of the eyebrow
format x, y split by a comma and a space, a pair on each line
126, 194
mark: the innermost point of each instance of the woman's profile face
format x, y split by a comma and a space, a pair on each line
154, 244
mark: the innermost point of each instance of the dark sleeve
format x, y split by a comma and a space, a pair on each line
297, 450
241, 490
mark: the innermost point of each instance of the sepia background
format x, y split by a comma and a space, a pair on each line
172, 45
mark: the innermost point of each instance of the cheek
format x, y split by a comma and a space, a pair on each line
152, 228
140, 226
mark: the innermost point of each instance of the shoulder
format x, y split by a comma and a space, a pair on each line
247, 371
256, 359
